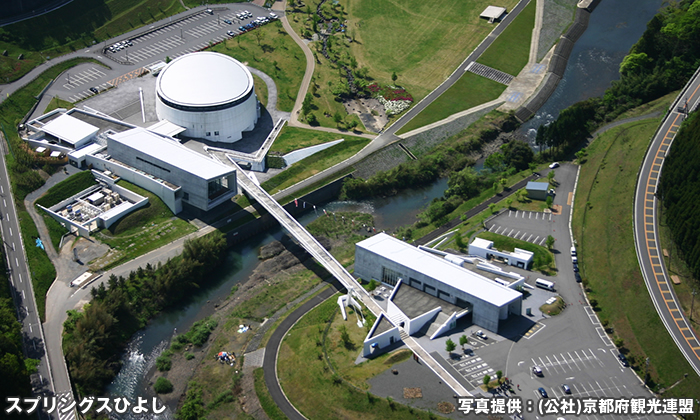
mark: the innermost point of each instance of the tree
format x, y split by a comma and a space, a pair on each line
167, 59
463, 183
306, 105
337, 118
345, 337
499, 375
495, 162
487, 379
550, 176
463, 340
549, 201
458, 241
394, 76
492, 207
517, 154
496, 187
259, 35
450, 346
509, 202
550, 242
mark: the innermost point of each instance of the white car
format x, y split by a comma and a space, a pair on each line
554, 165
481, 335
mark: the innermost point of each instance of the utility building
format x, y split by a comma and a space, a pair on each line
537, 190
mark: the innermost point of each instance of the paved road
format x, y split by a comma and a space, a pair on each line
45, 383
646, 228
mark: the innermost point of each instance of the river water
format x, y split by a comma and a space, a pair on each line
614, 27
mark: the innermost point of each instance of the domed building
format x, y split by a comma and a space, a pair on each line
209, 94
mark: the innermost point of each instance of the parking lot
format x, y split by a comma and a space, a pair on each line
529, 226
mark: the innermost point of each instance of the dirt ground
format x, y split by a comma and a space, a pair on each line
370, 111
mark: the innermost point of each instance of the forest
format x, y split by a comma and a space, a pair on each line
93, 339
679, 191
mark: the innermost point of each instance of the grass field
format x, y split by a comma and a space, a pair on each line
293, 138
315, 164
274, 53
260, 90
57, 102
469, 91
543, 258
510, 52
425, 41
140, 232
301, 361
56, 230
79, 24
43, 271
608, 261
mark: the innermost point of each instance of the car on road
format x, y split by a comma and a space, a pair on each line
574, 260
542, 392
481, 335
227, 21
575, 268
537, 370
554, 165
623, 360
209, 11
565, 388
94, 90
578, 277
230, 33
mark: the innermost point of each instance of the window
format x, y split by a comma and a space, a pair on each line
152, 164
186, 196
208, 133
390, 276
216, 133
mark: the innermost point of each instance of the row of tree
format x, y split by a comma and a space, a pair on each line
680, 192
94, 338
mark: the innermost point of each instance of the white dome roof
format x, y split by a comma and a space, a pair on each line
204, 79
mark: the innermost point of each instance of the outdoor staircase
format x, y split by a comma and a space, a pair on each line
490, 73
437, 323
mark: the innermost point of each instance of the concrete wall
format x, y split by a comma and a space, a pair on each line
514, 259
419, 322
369, 265
382, 340
170, 197
449, 324
230, 123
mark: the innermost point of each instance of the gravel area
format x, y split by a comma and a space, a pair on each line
558, 15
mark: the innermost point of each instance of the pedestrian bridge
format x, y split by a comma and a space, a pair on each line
306, 240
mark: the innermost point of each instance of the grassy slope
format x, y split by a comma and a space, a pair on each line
469, 91
72, 27
276, 54
542, 258
425, 41
67, 188
511, 50
292, 138
260, 90
609, 265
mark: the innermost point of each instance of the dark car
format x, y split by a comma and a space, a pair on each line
578, 277
94, 90
623, 360
565, 388
542, 392
227, 21
242, 29
575, 268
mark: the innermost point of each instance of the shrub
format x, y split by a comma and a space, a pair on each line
163, 386
163, 363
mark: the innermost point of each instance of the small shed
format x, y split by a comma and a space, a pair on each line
493, 13
537, 190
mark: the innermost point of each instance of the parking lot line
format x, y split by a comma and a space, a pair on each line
511, 231
552, 364
542, 241
572, 359
516, 235
529, 237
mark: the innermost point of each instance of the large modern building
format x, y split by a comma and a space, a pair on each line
160, 164
391, 261
210, 95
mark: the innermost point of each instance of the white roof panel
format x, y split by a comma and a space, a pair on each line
439, 269
173, 153
69, 129
204, 79
493, 12
87, 150
166, 128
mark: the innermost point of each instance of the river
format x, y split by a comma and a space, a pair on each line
614, 27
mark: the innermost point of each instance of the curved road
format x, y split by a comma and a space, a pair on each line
646, 227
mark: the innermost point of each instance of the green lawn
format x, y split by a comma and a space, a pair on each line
79, 24
543, 258
315, 164
57, 102
510, 52
469, 91
67, 188
271, 50
140, 232
293, 138
608, 260
266, 401
42, 270
324, 395
260, 90
56, 230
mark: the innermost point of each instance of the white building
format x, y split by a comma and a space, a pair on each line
210, 95
518, 258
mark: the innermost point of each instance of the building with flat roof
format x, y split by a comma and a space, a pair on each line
493, 13
537, 190
210, 95
520, 258
391, 261
160, 164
